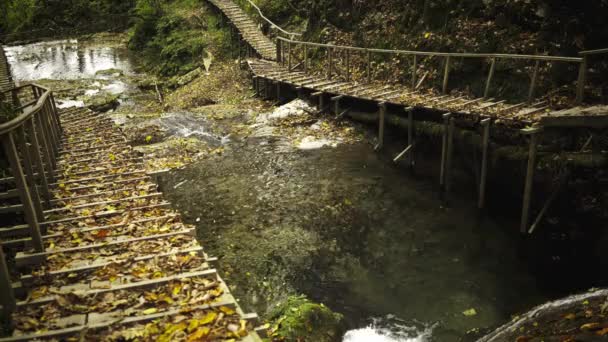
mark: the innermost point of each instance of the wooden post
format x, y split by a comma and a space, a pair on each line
582, 79
446, 74
330, 63
279, 43
533, 82
450, 157
42, 174
369, 67
266, 88
485, 124
7, 295
240, 47
410, 135
289, 64
46, 151
489, 80
336, 100
48, 146
533, 133
444, 149
382, 107
305, 59
10, 150
29, 171
232, 41
347, 65
414, 71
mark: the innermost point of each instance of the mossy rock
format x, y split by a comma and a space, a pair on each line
103, 102
110, 72
299, 319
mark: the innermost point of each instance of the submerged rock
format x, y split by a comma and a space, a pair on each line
299, 319
103, 102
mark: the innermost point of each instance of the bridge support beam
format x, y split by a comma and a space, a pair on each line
336, 101
411, 138
446, 153
485, 124
525, 212
381, 124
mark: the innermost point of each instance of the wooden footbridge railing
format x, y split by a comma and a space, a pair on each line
93, 251
337, 75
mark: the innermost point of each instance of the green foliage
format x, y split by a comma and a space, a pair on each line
87, 15
179, 32
19, 14
299, 319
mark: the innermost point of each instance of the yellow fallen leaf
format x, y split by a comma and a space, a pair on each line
590, 326
470, 312
198, 334
209, 318
570, 316
150, 311
177, 289
228, 311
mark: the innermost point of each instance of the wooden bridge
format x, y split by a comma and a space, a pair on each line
336, 77
94, 251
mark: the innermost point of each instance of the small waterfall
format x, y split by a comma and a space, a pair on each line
390, 329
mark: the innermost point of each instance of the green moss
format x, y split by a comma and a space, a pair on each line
299, 319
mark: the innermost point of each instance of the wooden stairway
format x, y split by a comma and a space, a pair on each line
118, 262
6, 81
249, 30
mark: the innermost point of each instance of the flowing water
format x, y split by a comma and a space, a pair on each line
369, 241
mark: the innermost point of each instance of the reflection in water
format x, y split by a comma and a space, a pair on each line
64, 59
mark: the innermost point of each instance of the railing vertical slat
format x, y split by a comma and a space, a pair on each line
347, 65
369, 67
330, 63
582, 79
489, 79
7, 295
48, 159
29, 171
446, 74
8, 143
533, 81
38, 160
414, 72
306, 58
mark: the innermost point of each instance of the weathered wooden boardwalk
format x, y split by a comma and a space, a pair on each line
6, 81
247, 28
98, 253
341, 76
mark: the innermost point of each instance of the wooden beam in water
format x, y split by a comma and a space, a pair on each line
533, 133
485, 124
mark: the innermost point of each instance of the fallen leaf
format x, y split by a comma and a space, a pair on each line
590, 326
150, 311
470, 312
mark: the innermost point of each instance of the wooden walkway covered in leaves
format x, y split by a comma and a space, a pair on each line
97, 253
340, 77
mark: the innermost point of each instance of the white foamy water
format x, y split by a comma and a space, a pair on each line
390, 329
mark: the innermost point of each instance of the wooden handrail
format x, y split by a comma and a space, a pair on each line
593, 52
440, 54
25, 116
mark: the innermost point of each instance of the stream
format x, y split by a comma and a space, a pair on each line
335, 221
